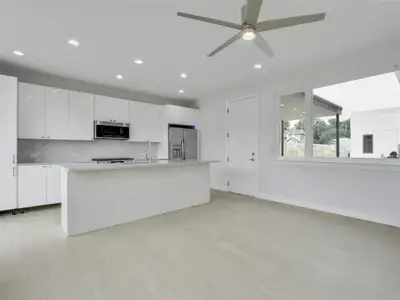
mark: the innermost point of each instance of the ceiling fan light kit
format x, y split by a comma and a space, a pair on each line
250, 28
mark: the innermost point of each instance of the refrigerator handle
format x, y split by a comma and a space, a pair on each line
183, 152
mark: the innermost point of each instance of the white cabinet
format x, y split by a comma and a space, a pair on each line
8, 142
53, 184
39, 185
146, 122
181, 115
32, 111
57, 114
81, 116
8, 188
8, 120
31, 186
111, 109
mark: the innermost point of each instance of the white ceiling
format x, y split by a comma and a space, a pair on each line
114, 33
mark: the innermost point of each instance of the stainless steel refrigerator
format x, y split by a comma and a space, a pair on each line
183, 143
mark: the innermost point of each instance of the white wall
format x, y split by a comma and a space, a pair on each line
354, 190
383, 124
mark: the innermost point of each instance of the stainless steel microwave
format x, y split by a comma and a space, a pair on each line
111, 130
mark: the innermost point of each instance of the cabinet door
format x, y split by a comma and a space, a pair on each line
31, 111
159, 125
121, 110
8, 120
81, 116
57, 114
53, 184
139, 120
31, 186
104, 110
189, 116
8, 188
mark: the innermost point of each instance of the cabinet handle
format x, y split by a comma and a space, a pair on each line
43, 166
14, 171
13, 158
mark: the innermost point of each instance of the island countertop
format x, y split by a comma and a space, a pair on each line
88, 167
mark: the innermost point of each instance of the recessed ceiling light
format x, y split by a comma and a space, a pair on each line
282, 105
181, 91
294, 108
138, 61
257, 66
119, 76
18, 53
304, 112
74, 43
183, 75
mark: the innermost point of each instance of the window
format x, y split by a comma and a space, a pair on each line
326, 128
368, 144
367, 118
292, 110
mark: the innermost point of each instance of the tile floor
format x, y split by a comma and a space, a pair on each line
233, 248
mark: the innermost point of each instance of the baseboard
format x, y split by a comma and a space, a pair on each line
331, 210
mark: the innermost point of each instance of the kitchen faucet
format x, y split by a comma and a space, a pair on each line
147, 150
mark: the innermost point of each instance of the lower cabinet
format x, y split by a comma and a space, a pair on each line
39, 185
8, 188
53, 184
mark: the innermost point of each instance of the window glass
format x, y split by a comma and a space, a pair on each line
369, 122
292, 108
368, 144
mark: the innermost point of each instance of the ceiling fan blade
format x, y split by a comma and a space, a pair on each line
263, 45
287, 22
253, 11
212, 21
226, 44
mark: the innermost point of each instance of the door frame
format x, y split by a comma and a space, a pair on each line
227, 103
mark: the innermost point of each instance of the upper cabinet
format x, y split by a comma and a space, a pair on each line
32, 111
81, 116
181, 115
52, 113
111, 109
147, 122
57, 114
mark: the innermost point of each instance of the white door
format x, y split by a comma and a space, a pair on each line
8, 121
57, 114
31, 111
8, 188
121, 110
53, 184
242, 146
81, 116
31, 186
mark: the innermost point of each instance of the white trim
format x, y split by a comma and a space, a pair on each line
227, 102
331, 210
341, 162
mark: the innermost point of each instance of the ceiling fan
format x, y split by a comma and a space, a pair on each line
250, 28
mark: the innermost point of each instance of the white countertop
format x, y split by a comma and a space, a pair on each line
77, 167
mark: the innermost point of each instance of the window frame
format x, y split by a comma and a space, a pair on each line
309, 159
364, 141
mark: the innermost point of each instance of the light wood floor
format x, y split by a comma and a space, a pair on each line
233, 248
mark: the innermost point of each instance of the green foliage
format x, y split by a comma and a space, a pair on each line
325, 131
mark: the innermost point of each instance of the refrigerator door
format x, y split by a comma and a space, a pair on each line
175, 139
190, 144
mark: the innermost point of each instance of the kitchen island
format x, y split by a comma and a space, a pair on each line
96, 196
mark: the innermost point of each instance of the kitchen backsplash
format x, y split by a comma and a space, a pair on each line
46, 151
